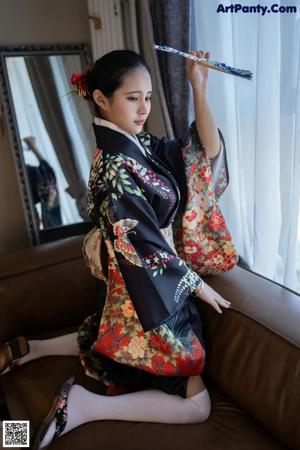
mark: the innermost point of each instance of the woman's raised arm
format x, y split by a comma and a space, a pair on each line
205, 123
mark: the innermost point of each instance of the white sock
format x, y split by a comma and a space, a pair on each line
60, 345
143, 406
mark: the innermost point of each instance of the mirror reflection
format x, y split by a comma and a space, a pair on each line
55, 133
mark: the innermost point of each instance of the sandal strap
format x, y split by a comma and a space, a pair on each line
15, 348
61, 414
61, 407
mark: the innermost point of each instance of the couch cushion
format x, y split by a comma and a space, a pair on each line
253, 349
30, 389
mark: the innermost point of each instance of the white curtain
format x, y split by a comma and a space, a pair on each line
260, 121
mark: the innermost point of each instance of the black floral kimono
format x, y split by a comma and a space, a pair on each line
149, 331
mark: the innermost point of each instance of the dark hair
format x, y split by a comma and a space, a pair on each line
108, 72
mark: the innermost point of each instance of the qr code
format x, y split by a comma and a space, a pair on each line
15, 433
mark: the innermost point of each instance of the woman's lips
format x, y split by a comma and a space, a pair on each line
139, 122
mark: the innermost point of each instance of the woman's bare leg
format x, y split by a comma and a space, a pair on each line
194, 386
60, 345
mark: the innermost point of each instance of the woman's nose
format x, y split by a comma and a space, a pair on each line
143, 108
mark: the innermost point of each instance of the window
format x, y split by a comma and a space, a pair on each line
260, 121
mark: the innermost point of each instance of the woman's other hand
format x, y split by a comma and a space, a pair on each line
210, 296
196, 73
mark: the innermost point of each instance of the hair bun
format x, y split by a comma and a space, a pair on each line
79, 80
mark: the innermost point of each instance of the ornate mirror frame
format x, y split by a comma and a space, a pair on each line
36, 235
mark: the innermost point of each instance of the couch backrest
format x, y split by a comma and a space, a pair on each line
45, 288
253, 349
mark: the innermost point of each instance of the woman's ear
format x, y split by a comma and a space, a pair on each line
100, 99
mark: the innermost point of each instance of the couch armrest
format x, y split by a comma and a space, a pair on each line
253, 349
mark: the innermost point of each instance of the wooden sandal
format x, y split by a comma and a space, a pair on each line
58, 411
12, 351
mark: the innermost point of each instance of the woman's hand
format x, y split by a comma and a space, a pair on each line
196, 73
30, 141
210, 296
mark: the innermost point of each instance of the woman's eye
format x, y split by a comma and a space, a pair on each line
135, 99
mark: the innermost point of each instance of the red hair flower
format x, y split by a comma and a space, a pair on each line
79, 81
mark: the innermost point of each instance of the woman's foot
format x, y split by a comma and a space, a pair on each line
11, 352
55, 422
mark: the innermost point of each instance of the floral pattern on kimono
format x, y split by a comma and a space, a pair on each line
200, 233
149, 315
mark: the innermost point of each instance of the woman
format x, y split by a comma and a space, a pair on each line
146, 339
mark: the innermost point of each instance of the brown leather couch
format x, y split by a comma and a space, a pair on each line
252, 369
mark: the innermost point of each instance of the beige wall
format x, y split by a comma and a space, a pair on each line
34, 22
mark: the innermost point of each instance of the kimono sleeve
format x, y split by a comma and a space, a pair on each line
157, 280
171, 152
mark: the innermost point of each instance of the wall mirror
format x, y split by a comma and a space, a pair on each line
51, 136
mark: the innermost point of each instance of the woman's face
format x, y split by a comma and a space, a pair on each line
130, 104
